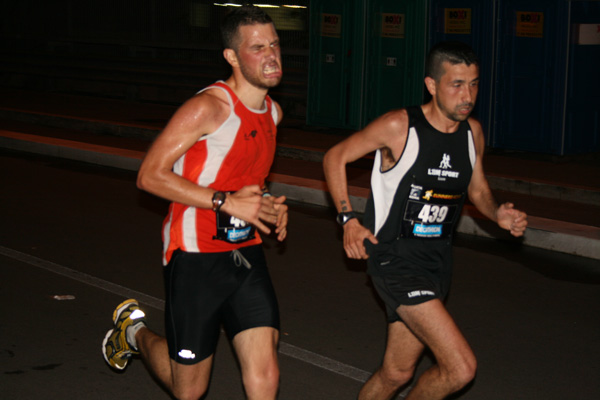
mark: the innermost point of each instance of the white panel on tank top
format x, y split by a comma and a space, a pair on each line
385, 184
218, 145
472, 152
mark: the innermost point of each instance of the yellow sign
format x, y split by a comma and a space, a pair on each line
331, 25
530, 24
287, 19
392, 25
457, 21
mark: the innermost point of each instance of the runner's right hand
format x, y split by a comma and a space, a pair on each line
354, 239
247, 204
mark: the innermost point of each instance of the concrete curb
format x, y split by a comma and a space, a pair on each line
539, 189
92, 126
71, 150
148, 132
542, 233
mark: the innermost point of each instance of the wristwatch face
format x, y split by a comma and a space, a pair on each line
218, 200
342, 217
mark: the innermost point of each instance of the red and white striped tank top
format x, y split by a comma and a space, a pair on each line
239, 153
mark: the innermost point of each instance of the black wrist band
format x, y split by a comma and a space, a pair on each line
344, 217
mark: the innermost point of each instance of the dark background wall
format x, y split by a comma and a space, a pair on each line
146, 50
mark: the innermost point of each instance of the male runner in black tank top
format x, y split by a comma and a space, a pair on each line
428, 159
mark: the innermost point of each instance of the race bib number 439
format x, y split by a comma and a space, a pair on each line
430, 213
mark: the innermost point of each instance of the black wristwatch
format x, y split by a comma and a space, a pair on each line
344, 217
217, 200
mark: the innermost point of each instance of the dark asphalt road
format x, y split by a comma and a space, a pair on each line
69, 228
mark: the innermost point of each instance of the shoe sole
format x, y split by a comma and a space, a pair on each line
110, 332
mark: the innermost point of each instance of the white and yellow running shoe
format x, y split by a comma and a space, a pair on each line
115, 348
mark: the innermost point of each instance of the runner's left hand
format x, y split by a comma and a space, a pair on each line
273, 211
511, 219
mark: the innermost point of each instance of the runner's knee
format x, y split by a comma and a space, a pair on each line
190, 393
396, 377
468, 371
463, 373
264, 381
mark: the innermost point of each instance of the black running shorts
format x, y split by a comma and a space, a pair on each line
205, 290
397, 290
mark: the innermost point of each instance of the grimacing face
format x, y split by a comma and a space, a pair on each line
456, 91
259, 55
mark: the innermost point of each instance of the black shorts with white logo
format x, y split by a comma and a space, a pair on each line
205, 290
397, 290
410, 272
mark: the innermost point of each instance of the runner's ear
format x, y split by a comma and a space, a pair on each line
430, 84
231, 57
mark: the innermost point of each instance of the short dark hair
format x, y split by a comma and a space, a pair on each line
239, 16
452, 52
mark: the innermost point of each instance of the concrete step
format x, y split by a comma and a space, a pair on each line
562, 196
554, 224
551, 180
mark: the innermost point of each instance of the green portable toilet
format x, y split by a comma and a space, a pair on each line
396, 47
335, 78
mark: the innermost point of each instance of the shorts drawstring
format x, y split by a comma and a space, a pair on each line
239, 259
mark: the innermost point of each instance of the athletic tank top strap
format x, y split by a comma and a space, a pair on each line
236, 104
414, 114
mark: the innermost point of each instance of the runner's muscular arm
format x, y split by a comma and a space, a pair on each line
480, 194
388, 131
198, 116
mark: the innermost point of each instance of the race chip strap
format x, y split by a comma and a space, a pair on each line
430, 213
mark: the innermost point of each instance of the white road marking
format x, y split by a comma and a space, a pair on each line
286, 349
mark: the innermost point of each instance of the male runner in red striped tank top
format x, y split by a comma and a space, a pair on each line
211, 162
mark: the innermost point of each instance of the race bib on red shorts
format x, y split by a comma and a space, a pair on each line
233, 230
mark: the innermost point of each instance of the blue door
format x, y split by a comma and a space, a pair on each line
582, 127
531, 67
